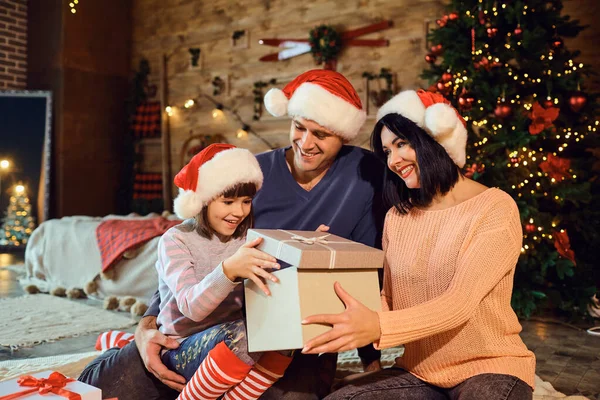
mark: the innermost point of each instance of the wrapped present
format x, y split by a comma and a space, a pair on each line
317, 260
47, 385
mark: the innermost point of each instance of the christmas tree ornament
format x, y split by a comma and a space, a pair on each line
442, 21
453, 16
481, 16
541, 118
548, 102
529, 228
430, 58
518, 30
446, 77
437, 49
443, 87
556, 167
492, 32
563, 245
577, 101
556, 43
503, 109
466, 100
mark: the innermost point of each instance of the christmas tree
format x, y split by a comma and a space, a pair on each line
532, 128
18, 222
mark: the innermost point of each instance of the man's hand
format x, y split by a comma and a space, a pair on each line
150, 341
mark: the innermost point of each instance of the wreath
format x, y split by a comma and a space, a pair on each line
325, 43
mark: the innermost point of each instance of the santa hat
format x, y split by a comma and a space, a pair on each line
211, 172
323, 96
435, 114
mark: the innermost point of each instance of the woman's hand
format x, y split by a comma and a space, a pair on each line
150, 341
356, 327
250, 263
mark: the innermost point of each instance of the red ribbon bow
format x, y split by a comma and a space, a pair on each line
53, 384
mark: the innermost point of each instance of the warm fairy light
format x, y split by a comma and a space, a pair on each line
189, 103
4, 164
19, 189
169, 110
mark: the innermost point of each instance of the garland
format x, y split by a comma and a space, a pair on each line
325, 44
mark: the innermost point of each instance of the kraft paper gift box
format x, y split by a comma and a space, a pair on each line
318, 260
59, 383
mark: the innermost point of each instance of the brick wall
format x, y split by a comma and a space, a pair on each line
13, 44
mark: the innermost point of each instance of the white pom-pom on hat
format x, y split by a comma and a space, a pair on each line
276, 102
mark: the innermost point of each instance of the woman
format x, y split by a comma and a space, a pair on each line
451, 248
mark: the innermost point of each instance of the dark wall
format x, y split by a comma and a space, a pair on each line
84, 59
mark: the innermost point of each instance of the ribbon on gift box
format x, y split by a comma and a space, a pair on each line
53, 384
320, 240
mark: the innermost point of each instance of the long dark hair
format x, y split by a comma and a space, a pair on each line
438, 173
240, 190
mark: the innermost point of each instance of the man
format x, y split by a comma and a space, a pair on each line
317, 183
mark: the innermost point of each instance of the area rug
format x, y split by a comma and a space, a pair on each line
69, 365
33, 319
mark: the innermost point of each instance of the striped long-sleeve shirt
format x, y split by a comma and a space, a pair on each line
195, 293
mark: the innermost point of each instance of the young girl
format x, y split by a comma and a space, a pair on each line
201, 264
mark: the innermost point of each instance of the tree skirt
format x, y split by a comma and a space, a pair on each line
69, 365
33, 319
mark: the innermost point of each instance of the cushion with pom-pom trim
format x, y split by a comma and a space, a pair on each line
276, 102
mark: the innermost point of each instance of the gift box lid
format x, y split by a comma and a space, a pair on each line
86, 391
316, 250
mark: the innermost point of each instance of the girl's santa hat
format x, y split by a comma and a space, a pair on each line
433, 113
323, 96
210, 173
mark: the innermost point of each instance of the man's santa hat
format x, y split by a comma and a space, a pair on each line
216, 169
433, 113
323, 96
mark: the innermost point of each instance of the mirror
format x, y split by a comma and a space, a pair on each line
25, 146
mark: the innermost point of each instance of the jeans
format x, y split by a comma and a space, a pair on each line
397, 384
186, 359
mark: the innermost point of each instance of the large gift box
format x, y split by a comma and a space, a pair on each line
317, 261
48, 385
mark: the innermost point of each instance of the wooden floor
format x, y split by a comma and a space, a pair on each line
567, 357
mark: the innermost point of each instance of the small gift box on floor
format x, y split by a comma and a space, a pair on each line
48, 385
317, 261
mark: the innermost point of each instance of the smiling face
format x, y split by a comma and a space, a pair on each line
225, 214
401, 158
315, 147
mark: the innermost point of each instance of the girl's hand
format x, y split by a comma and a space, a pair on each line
356, 327
250, 263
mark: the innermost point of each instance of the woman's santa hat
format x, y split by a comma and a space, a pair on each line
216, 169
323, 96
433, 113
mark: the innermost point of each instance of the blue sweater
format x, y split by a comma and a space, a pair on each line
347, 199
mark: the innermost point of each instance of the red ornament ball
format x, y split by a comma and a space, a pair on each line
548, 103
481, 17
430, 58
491, 32
529, 228
577, 101
437, 49
518, 31
453, 16
442, 21
446, 77
503, 110
557, 43
466, 101
443, 88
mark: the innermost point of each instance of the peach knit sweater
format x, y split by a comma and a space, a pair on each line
447, 288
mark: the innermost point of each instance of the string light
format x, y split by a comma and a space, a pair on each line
217, 112
72, 6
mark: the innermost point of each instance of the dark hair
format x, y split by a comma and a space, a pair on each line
240, 190
438, 173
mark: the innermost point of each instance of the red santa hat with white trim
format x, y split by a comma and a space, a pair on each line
434, 114
323, 96
210, 173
